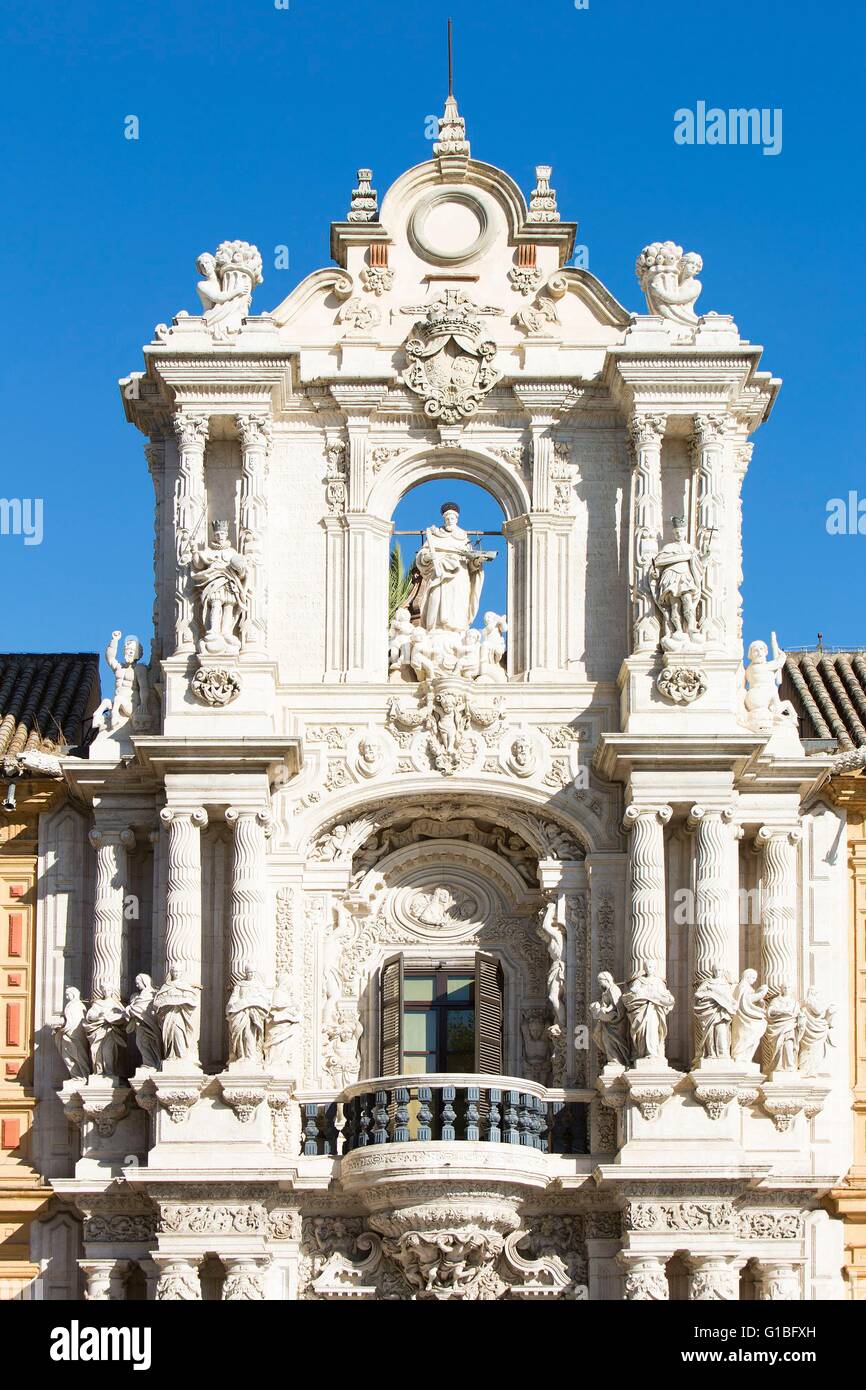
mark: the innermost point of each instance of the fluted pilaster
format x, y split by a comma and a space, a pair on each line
250, 919
646, 432
190, 522
648, 915
779, 908
708, 453
111, 877
255, 436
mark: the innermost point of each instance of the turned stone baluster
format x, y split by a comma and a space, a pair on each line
512, 1132
541, 1122
401, 1116
525, 1119
494, 1133
365, 1119
472, 1116
449, 1114
311, 1130
380, 1118
425, 1114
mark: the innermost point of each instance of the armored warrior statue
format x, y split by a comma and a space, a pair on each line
220, 580
676, 578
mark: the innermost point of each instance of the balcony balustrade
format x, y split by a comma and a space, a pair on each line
445, 1109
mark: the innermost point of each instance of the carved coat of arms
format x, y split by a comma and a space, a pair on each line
450, 360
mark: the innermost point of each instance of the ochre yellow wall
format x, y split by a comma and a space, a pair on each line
21, 1192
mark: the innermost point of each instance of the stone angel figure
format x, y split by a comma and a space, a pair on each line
131, 699
70, 1037
668, 280
247, 1013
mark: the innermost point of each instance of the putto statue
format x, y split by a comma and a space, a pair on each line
131, 687
764, 709
676, 581
667, 278
70, 1037
219, 577
247, 1012
175, 1006
143, 1023
226, 289
443, 642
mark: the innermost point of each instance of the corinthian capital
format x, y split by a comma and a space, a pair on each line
646, 430
191, 430
710, 429
254, 430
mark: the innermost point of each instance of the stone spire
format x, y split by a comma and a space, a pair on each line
452, 130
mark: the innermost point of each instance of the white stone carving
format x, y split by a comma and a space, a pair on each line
246, 1014
229, 278
364, 206
342, 1038
524, 278
130, 705
611, 1031
764, 710
105, 1027
552, 933
647, 1002
542, 201
216, 685
219, 578
750, 1020
143, 1023
714, 1006
359, 316
70, 1037
377, 279
448, 713
667, 278
682, 684
676, 580
450, 360
815, 1033
782, 1037
283, 1027
442, 906
176, 1007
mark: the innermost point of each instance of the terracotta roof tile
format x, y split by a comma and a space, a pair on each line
46, 700
828, 691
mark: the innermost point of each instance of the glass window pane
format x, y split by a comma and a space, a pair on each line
460, 988
418, 989
418, 1064
460, 1035
419, 1030
461, 1061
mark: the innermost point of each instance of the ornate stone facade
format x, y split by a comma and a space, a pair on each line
557, 824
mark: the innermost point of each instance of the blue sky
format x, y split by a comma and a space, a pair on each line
253, 121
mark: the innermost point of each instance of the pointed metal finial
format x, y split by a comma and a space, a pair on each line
450, 59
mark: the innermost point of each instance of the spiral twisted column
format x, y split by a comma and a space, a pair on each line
111, 877
779, 908
250, 944
646, 432
708, 453
715, 917
183, 892
648, 914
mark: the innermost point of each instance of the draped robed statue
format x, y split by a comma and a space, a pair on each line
452, 575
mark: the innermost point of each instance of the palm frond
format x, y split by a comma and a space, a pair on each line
399, 582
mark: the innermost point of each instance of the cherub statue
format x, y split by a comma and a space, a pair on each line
227, 287
131, 687
676, 579
401, 637
220, 579
667, 278
764, 709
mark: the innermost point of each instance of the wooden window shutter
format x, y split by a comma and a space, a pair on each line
391, 1015
489, 1013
